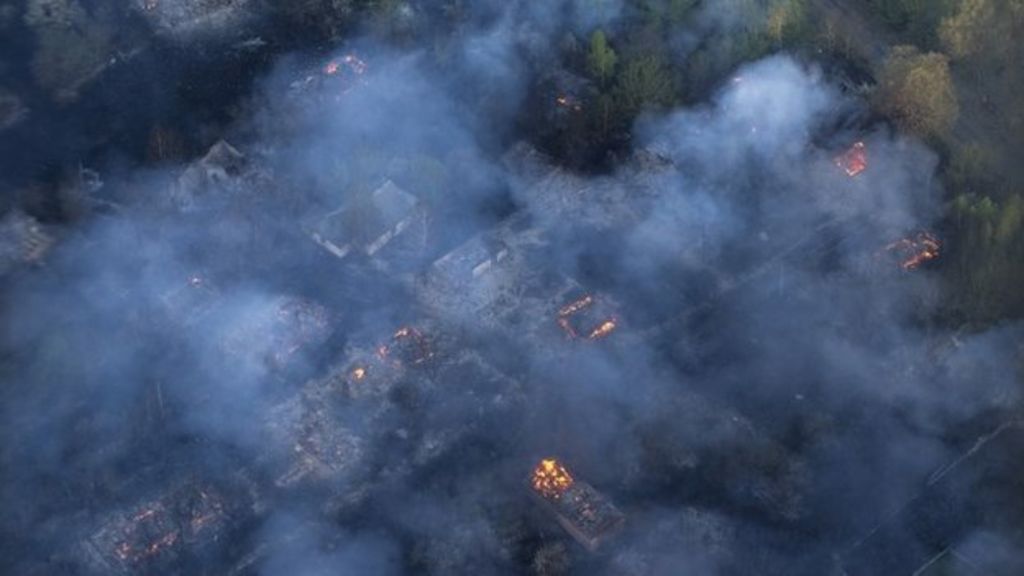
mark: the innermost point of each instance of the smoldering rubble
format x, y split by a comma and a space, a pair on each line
363, 335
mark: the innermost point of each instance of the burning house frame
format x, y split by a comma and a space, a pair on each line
387, 226
329, 82
585, 514
499, 281
854, 160
587, 316
164, 533
915, 250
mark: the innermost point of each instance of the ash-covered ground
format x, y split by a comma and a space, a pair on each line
344, 335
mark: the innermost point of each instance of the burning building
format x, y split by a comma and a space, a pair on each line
388, 226
915, 250
587, 316
586, 514
332, 80
854, 160
166, 534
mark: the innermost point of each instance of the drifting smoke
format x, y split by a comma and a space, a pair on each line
770, 375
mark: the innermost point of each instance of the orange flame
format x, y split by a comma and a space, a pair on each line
606, 328
551, 479
569, 102
566, 313
854, 160
351, 62
917, 249
576, 306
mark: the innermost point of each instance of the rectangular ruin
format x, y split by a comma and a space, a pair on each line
915, 250
854, 160
160, 533
586, 514
587, 316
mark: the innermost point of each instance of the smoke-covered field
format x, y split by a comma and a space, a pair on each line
356, 294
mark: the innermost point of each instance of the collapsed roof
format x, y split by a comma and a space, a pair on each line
213, 181
161, 534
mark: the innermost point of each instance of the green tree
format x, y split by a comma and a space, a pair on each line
963, 33
916, 90
1011, 221
787, 20
643, 82
986, 274
602, 58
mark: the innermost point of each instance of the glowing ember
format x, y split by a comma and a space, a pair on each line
411, 346
568, 102
603, 330
571, 321
853, 161
351, 62
576, 306
916, 250
551, 479
355, 64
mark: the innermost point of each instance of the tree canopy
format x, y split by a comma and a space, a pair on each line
916, 90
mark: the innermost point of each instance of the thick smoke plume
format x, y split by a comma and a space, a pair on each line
773, 394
